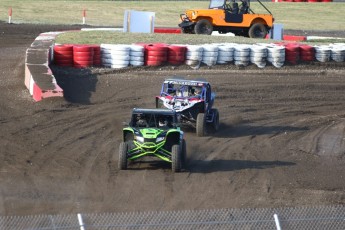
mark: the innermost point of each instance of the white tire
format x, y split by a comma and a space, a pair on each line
137, 53
134, 58
136, 63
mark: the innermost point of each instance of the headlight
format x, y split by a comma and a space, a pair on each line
159, 139
140, 139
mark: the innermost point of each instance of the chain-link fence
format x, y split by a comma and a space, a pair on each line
320, 217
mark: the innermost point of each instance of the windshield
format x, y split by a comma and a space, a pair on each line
143, 120
216, 4
181, 91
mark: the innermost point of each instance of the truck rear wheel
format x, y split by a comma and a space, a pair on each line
200, 125
176, 158
203, 27
257, 30
123, 155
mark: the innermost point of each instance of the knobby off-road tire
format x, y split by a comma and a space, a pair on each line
257, 30
200, 125
123, 155
176, 158
203, 27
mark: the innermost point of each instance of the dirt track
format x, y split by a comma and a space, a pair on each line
281, 141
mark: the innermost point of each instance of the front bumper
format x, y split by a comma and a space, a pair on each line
149, 149
186, 23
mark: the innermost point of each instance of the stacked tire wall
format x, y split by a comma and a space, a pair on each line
160, 54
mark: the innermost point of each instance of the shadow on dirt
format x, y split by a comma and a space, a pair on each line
78, 84
231, 131
200, 166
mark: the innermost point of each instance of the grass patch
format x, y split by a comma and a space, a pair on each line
112, 37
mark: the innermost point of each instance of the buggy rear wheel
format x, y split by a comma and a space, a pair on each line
215, 123
200, 125
184, 153
176, 158
123, 155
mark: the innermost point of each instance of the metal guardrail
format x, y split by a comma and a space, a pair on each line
320, 217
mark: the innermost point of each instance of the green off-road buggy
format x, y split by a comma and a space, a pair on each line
153, 132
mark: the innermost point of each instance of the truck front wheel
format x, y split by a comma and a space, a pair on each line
203, 27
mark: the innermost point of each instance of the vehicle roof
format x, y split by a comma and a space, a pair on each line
185, 81
154, 111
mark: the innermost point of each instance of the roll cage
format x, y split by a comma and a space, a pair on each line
149, 118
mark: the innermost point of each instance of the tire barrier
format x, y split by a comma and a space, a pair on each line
96, 55
292, 53
63, 55
82, 56
323, 53
115, 56
156, 54
225, 53
210, 55
176, 54
242, 55
258, 55
307, 53
136, 55
338, 52
302, 0
194, 56
275, 55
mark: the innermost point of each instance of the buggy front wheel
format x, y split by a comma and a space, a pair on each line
123, 155
176, 158
200, 125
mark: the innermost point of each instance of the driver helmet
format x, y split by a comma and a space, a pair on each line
163, 122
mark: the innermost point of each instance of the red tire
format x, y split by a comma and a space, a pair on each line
176, 58
292, 48
177, 49
63, 48
306, 48
80, 53
156, 53
308, 58
85, 63
83, 58
82, 48
153, 63
152, 47
63, 52
156, 58
176, 53
63, 57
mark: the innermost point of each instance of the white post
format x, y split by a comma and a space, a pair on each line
84, 16
81, 223
276, 220
10, 15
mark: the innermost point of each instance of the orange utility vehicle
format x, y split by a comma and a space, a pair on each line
227, 16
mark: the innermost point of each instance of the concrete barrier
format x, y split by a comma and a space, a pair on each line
39, 79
